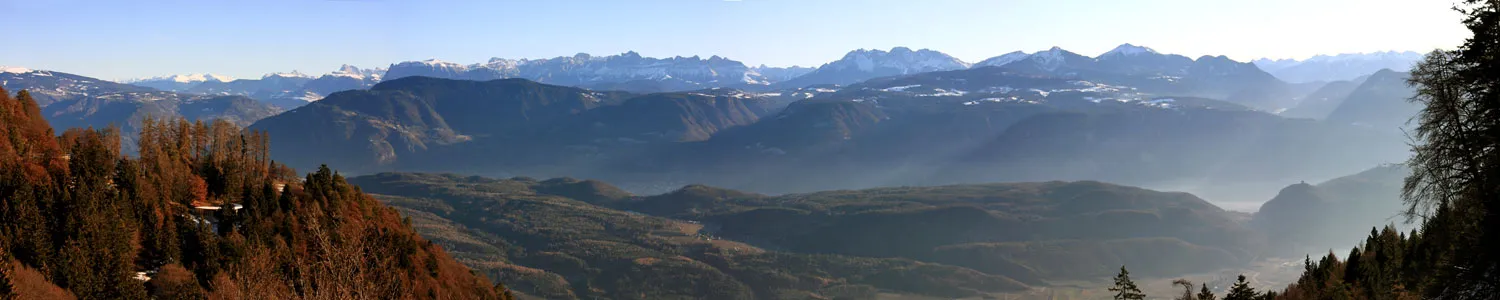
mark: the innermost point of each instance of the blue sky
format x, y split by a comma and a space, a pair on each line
245, 39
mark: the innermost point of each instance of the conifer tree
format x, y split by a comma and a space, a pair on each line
1241, 291
1454, 186
1205, 294
1124, 288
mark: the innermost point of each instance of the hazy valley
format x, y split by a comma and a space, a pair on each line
901, 173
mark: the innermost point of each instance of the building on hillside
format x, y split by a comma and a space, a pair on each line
212, 215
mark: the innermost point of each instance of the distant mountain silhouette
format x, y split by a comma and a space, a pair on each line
861, 65
1322, 102
1312, 217
627, 71
1146, 70
402, 117
1346, 66
936, 127
1380, 102
73, 101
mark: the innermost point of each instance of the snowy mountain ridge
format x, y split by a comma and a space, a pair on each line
585, 70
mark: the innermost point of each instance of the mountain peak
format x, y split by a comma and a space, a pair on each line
903, 58
1372, 56
1054, 53
17, 70
1387, 72
432, 62
863, 52
292, 74
214, 77
1128, 49
613, 70
1214, 58
352, 71
1003, 59
187, 78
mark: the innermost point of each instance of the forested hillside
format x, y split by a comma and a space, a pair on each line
579, 239
545, 239
201, 212
1452, 190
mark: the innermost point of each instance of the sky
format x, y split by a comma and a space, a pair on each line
246, 39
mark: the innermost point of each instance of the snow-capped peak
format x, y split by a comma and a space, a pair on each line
436, 63
292, 74
220, 78
1128, 49
351, 71
1053, 54
502, 64
186, 78
431, 63
1373, 56
904, 59
1343, 57
17, 70
1003, 59
1051, 59
200, 78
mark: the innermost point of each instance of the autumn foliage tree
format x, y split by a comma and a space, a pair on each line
6, 291
96, 222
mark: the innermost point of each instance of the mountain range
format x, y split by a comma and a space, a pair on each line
177, 82
938, 119
864, 177
635, 73
1346, 66
936, 127
1146, 70
285, 90
860, 65
628, 71
73, 101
